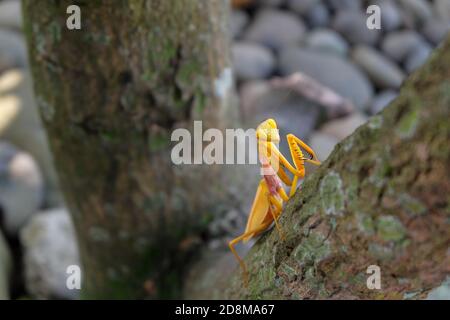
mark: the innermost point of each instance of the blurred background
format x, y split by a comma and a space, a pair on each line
327, 40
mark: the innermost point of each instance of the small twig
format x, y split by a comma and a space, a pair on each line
306, 86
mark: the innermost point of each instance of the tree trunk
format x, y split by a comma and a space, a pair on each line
381, 198
110, 96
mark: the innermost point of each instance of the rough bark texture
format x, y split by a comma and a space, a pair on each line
381, 198
110, 96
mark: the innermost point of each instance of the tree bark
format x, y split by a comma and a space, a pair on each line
381, 198
110, 96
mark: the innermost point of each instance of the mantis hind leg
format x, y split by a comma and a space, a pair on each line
233, 242
275, 214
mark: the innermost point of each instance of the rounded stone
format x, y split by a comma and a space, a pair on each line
13, 51
417, 58
301, 6
391, 17
260, 102
238, 21
275, 29
271, 3
398, 45
418, 11
327, 40
435, 30
353, 26
352, 5
251, 93
252, 61
330, 70
318, 16
21, 187
382, 100
11, 14
442, 9
382, 71
343, 127
50, 248
322, 144
21, 125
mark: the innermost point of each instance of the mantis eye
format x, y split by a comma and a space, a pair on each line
272, 124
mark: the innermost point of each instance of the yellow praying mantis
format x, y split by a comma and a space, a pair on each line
270, 195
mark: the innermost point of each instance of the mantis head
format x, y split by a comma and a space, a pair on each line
268, 131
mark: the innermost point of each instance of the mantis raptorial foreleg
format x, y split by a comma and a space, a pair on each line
293, 139
284, 164
298, 169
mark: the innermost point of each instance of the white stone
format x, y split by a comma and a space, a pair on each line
21, 187
50, 247
21, 125
13, 53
